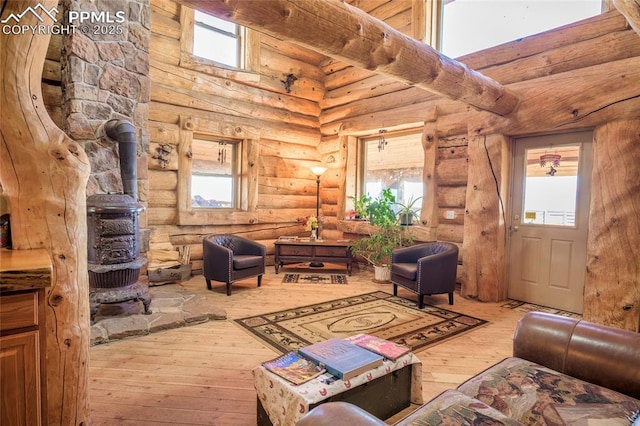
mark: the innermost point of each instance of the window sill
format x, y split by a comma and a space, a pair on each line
216, 69
419, 233
225, 217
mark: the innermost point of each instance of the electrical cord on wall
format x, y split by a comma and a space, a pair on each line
495, 179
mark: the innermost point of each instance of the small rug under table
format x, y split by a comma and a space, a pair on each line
315, 278
378, 313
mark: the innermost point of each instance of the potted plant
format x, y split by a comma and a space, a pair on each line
361, 205
380, 209
407, 211
386, 235
376, 249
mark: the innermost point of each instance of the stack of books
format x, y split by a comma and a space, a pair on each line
294, 368
386, 348
343, 358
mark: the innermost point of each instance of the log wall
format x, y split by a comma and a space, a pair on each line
603, 90
282, 125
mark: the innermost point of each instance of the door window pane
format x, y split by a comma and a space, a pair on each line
551, 183
395, 162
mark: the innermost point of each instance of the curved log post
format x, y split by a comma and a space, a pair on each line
630, 9
44, 175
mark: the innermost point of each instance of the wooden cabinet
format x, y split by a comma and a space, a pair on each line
20, 385
22, 344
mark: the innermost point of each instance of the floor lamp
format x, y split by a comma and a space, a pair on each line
317, 171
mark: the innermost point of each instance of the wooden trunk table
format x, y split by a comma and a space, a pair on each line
300, 251
383, 391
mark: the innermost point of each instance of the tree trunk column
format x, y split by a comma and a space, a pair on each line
44, 175
612, 283
484, 224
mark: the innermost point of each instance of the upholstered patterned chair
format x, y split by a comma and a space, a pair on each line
229, 258
425, 269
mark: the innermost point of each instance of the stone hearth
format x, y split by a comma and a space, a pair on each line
172, 306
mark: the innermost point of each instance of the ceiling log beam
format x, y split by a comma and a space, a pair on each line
344, 32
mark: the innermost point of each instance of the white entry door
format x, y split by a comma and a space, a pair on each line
549, 220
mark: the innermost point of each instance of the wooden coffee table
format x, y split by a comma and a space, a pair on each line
300, 251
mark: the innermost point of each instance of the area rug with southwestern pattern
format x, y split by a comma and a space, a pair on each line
378, 313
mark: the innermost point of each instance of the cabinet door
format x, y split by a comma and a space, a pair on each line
20, 384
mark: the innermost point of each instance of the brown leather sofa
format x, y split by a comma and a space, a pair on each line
425, 269
229, 258
563, 370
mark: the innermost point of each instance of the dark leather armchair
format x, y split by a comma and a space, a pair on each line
229, 258
425, 269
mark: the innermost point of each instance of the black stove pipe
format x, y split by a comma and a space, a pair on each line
123, 132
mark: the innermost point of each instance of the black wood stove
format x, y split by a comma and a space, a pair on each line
113, 232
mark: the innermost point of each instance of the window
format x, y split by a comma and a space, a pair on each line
215, 173
472, 25
217, 40
551, 185
218, 175
393, 161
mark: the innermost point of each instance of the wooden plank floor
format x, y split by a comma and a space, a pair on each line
201, 375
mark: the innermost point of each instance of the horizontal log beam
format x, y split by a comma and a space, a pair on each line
562, 107
347, 33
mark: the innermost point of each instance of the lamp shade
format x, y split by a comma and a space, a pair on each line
318, 171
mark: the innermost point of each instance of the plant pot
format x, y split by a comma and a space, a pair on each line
406, 219
381, 274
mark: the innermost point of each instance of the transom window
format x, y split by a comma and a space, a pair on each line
215, 173
393, 161
472, 25
217, 40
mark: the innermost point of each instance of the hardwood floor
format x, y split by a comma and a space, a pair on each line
202, 374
